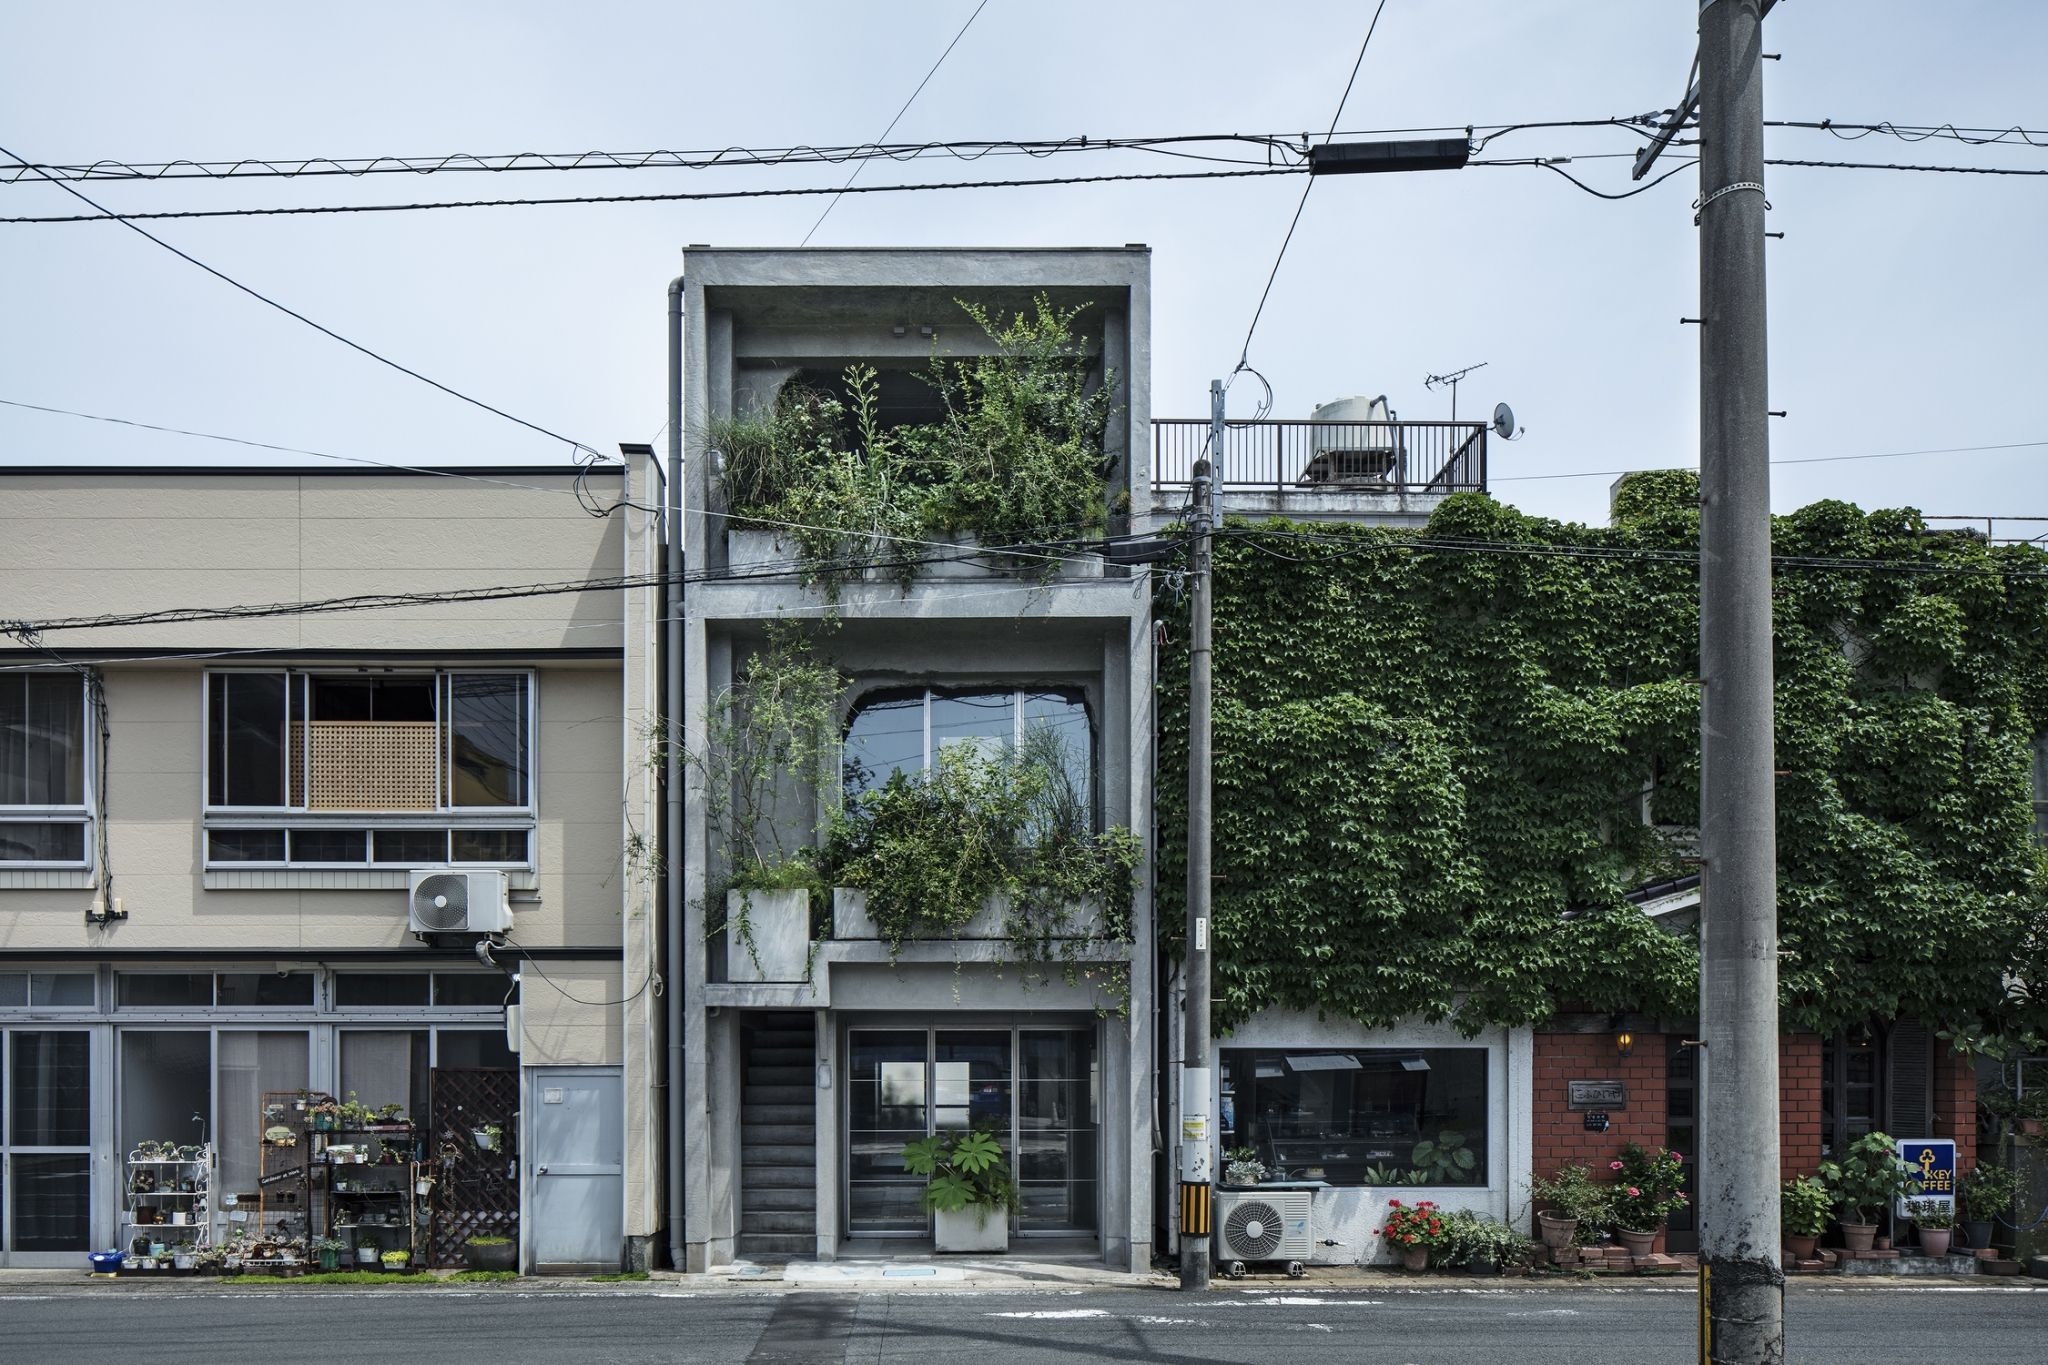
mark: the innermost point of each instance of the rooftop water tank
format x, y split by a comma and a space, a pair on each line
1362, 449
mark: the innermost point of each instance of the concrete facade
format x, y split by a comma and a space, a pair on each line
751, 320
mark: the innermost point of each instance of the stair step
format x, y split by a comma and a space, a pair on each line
763, 1055
779, 1113
778, 1177
777, 1244
777, 1134
777, 1075
751, 1200
778, 1094
779, 1156
781, 1220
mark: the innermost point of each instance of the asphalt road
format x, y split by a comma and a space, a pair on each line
1264, 1327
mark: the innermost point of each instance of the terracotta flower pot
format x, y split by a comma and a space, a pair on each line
2030, 1127
1934, 1241
1858, 1236
1802, 1248
1556, 1231
1415, 1258
1638, 1243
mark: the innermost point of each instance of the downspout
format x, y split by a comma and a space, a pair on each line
673, 776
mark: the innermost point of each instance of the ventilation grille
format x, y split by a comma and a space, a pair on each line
440, 903
1252, 1230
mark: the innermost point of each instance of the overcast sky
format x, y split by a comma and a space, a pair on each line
1907, 310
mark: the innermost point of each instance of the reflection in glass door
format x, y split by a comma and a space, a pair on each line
45, 1165
904, 1084
1056, 1129
885, 1100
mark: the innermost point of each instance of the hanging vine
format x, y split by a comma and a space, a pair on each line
1434, 766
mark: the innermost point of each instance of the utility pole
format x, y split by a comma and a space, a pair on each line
1742, 1286
1197, 1162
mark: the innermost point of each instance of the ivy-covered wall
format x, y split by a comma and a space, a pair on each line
1443, 758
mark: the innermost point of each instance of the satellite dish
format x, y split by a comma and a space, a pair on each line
1504, 421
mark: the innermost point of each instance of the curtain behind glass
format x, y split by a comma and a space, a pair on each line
166, 1078
42, 740
487, 739
250, 1065
380, 1067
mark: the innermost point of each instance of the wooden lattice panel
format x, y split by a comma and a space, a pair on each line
476, 1194
371, 764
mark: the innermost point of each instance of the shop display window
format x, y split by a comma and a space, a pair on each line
386, 1066
1359, 1116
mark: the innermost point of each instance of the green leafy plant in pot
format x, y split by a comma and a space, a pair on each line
1803, 1208
1445, 1160
492, 1253
1986, 1193
1935, 1221
967, 1179
1648, 1188
1863, 1182
1570, 1207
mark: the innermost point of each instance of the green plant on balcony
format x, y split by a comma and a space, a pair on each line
1018, 460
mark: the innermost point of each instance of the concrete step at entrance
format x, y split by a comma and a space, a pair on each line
779, 1076
763, 1055
779, 1177
778, 1094
780, 1200
777, 1244
777, 1113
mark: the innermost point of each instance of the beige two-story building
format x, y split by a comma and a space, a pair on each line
248, 855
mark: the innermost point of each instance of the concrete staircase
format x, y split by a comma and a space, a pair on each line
778, 1136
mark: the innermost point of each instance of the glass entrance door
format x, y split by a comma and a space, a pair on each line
1035, 1090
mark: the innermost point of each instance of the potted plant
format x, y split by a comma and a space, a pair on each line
1413, 1233
1446, 1160
1935, 1221
1803, 1208
492, 1253
1986, 1193
967, 1180
487, 1137
2031, 1112
366, 1254
329, 1250
1241, 1166
1647, 1189
396, 1260
1866, 1179
1569, 1206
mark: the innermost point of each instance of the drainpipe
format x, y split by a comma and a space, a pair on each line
673, 775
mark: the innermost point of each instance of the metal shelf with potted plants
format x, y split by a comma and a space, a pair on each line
374, 1185
168, 1194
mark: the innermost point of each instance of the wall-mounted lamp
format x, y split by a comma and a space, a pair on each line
1625, 1043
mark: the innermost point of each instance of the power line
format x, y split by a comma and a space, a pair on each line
1883, 166
1812, 459
662, 198
898, 119
1244, 355
287, 450
577, 447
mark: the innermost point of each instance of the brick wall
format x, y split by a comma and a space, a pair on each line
1955, 1106
1798, 1104
1561, 1139
1560, 1136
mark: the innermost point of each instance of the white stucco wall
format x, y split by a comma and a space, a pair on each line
1352, 1216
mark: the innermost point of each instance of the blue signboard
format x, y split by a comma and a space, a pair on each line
1931, 1165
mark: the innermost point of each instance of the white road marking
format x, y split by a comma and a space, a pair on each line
1059, 1313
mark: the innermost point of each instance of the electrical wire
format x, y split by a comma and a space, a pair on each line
1244, 354
1551, 165
679, 197
898, 119
1881, 166
1811, 459
1851, 132
575, 446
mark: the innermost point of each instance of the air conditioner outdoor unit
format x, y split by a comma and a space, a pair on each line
442, 900
1261, 1225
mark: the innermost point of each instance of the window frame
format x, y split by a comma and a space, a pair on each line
1018, 691
9, 1149
444, 816
61, 813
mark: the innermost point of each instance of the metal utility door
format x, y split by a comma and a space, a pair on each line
577, 1218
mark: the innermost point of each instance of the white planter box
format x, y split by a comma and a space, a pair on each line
754, 551
850, 917
946, 556
971, 1230
779, 922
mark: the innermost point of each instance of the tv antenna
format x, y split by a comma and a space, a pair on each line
1439, 380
